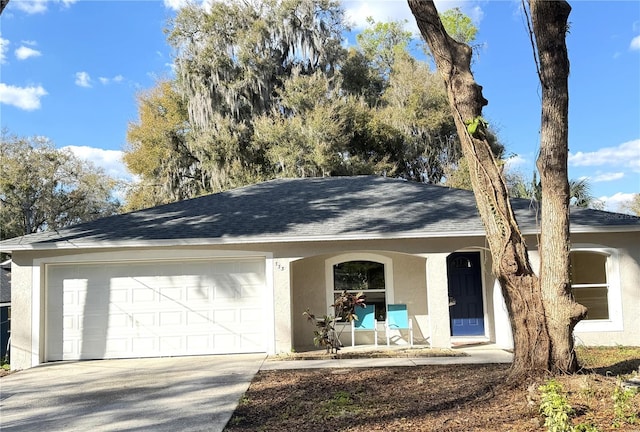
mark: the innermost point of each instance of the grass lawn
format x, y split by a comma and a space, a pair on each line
442, 398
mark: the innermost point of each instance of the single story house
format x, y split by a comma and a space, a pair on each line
233, 272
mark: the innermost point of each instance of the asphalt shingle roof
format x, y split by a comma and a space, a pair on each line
361, 207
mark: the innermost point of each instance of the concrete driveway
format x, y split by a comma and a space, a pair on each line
160, 394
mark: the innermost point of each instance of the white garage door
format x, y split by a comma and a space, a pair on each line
155, 309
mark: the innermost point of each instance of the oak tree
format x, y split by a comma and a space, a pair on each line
542, 311
44, 188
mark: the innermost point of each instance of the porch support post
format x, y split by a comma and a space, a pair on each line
282, 304
438, 300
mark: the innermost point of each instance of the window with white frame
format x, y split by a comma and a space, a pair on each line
595, 283
367, 277
589, 283
368, 272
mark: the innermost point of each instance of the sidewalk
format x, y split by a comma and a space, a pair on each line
473, 355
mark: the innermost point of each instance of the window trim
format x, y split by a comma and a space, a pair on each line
357, 256
614, 292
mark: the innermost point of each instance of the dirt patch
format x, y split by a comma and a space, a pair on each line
425, 398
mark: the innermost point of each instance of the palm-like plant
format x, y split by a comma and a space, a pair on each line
579, 191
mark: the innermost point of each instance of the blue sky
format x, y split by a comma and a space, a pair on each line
70, 71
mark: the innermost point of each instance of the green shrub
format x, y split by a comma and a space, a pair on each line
555, 407
622, 406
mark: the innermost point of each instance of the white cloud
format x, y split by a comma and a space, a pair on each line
26, 98
109, 160
515, 161
115, 79
626, 155
32, 6
175, 4
38, 6
635, 43
4, 47
476, 14
24, 53
615, 202
606, 177
83, 79
357, 11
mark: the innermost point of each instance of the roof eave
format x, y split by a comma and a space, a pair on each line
287, 239
236, 240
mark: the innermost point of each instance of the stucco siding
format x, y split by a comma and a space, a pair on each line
308, 292
21, 306
410, 288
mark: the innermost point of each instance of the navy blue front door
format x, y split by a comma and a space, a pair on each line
465, 294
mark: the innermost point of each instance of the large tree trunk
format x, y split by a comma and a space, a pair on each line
543, 312
520, 286
549, 22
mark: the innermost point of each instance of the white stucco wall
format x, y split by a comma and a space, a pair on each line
21, 308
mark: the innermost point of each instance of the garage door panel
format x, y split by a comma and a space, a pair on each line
119, 296
199, 343
170, 344
221, 341
250, 339
173, 318
117, 345
225, 290
171, 294
198, 294
119, 321
227, 316
249, 317
142, 295
68, 348
247, 291
155, 309
143, 345
196, 317
144, 319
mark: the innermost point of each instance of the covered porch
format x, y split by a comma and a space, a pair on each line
433, 300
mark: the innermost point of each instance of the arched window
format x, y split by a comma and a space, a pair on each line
361, 272
362, 276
